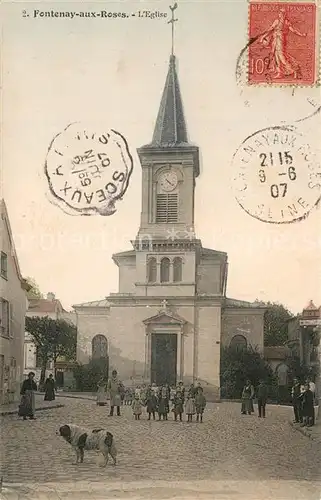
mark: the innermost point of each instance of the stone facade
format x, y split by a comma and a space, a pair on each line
12, 315
172, 290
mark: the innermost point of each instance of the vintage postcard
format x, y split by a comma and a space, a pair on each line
160, 281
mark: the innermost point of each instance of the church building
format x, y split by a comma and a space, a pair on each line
171, 315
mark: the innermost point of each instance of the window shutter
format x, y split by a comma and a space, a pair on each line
167, 207
10, 325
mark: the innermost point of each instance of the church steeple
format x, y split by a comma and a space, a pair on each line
170, 127
170, 165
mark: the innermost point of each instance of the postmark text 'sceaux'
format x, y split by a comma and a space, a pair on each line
88, 171
277, 176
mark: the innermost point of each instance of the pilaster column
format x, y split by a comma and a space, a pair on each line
179, 356
158, 276
171, 272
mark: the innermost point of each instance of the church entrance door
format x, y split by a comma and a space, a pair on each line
164, 358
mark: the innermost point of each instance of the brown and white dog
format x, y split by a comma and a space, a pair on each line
83, 439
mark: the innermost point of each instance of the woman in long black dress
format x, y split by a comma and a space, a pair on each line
27, 406
50, 389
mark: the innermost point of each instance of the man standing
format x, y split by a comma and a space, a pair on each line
261, 398
114, 388
296, 401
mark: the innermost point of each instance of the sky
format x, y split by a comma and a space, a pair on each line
59, 70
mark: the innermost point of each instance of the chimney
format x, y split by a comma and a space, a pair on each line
51, 296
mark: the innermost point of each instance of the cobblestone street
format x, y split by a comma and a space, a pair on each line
227, 447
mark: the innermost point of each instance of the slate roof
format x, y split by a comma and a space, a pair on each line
93, 303
45, 305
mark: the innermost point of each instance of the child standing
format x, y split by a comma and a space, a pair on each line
200, 403
137, 407
151, 403
189, 408
178, 405
163, 403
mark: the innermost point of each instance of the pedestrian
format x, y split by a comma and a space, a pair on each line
137, 407
143, 393
101, 398
50, 387
189, 407
151, 403
200, 404
138, 391
114, 389
155, 389
27, 405
178, 405
247, 398
191, 391
307, 402
122, 392
163, 403
296, 401
128, 397
181, 388
261, 394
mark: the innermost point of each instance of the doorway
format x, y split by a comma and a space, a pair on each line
164, 358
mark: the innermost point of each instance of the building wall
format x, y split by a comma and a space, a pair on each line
12, 348
246, 322
209, 277
208, 348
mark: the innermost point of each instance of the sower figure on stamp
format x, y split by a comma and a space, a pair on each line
114, 388
261, 394
276, 39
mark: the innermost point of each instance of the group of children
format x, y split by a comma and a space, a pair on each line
157, 400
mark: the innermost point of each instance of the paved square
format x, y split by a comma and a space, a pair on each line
227, 447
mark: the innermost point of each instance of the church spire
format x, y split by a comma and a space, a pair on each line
170, 127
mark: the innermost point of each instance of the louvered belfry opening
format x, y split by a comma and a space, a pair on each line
167, 207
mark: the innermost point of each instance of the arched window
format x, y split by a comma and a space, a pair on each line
177, 269
282, 374
164, 270
238, 342
152, 270
99, 347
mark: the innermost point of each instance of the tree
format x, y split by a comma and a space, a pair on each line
275, 323
53, 338
88, 376
238, 365
34, 292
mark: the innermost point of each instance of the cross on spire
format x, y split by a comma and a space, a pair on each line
172, 21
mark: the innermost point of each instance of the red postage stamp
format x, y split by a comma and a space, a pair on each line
282, 43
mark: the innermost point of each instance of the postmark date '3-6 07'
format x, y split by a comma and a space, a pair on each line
88, 171
277, 175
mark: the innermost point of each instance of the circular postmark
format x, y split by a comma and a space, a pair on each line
277, 175
88, 171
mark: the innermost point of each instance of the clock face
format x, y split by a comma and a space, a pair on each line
168, 181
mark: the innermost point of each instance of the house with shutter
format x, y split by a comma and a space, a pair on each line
13, 306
